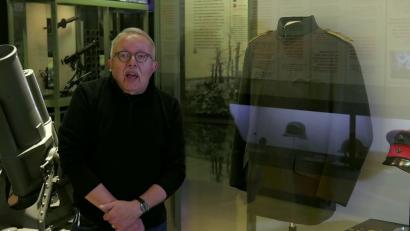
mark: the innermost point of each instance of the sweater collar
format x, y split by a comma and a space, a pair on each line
148, 92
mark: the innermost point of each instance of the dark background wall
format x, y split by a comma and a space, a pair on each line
3, 23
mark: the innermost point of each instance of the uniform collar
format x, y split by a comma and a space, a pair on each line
289, 27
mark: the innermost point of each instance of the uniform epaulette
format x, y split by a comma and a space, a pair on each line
339, 35
259, 35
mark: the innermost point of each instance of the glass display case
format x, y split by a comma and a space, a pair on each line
77, 32
358, 49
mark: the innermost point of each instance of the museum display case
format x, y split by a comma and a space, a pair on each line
77, 32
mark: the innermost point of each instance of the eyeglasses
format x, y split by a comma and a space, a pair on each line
125, 56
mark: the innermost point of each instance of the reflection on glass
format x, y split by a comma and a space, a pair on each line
399, 154
303, 123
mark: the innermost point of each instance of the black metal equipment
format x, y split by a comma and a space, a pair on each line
71, 59
76, 65
63, 23
30, 172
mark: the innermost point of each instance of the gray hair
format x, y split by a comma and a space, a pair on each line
130, 31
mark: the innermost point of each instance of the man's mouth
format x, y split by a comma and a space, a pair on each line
131, 74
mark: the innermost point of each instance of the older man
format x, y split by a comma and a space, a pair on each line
121, 142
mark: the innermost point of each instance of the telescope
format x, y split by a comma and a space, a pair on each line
63, 23
31, 179
74, 57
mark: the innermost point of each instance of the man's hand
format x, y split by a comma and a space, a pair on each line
122, 214
136, 226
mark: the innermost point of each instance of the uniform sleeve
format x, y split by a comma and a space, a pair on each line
74, 143
174, 162
339, 175
238, 171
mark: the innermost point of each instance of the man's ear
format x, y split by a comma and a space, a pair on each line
155, 65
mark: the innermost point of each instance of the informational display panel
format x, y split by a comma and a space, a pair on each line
215, 28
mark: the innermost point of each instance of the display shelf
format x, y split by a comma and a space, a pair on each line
106, 3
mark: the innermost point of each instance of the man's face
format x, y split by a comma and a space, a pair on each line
133, 75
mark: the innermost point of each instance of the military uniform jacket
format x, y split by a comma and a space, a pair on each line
301, 75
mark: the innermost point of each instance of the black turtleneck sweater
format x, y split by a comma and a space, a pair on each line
126, 142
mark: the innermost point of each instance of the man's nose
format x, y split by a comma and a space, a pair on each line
132, 61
